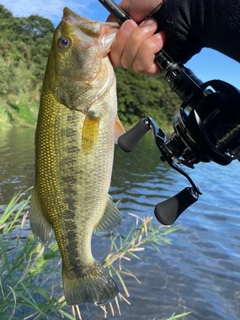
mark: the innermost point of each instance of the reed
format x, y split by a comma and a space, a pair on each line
30, 273
142, 235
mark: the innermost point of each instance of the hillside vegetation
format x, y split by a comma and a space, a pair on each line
24, 48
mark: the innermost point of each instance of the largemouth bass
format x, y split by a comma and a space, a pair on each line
76, 130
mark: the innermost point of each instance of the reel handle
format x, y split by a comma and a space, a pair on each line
128, 141
169, 210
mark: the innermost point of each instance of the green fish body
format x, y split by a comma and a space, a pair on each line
76, 130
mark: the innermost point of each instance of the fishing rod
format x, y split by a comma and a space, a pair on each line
206, 127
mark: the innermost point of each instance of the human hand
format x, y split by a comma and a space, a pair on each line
135, 46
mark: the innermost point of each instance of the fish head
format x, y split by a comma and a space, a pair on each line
76, 60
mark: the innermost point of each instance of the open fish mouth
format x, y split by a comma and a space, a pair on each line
72, 17
89, 30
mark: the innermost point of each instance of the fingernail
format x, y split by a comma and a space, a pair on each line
128, 26
159, 35
148, 24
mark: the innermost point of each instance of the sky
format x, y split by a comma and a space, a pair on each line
206, 65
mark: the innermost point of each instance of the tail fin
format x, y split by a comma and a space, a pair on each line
96, 287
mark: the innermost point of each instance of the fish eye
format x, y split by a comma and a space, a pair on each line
63, 43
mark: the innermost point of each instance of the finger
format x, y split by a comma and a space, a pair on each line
119, 42
144, 59
138, 35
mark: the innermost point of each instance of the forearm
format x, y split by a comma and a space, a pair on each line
191, 25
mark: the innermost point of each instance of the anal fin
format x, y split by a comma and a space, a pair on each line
41, 228
110, 220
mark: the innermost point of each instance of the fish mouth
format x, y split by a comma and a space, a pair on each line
72, 17
91, 30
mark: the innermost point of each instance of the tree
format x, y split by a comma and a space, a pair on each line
24, 49
141, 95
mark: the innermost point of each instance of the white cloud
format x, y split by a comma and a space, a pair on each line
52, 9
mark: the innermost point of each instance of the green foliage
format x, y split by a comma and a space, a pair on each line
26, 268
24, 49
140, 95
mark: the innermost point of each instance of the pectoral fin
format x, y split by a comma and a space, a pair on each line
41, 228
110, 220
90, 132
118, 129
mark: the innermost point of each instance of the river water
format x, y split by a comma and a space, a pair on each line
199, 271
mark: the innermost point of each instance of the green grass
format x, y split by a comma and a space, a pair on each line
24, 113
30, 277
25, 268
143, 234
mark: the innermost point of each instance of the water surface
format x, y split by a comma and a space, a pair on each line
199, 272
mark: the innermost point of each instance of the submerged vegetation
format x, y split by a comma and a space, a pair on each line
24, 48
30, 280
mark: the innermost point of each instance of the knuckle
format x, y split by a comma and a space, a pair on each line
138, 66
125, 63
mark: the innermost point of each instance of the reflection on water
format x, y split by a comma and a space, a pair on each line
16, 162
199, 272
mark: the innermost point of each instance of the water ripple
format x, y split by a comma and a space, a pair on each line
199, 272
